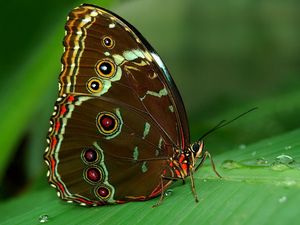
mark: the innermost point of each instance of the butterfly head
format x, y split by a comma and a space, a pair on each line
197, 149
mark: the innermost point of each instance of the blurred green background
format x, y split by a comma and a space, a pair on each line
225, 57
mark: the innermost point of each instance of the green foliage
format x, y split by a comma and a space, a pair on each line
225, 57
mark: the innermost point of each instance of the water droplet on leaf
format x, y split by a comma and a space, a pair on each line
261, 161
168, 192
230, 164
284, 159
282, 199
43, 218
287, 147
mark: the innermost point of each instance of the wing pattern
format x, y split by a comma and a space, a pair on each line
119, 115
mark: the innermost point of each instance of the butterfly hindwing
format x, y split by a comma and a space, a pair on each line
123, 151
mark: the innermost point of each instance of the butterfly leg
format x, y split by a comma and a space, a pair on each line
193, 186
204, 157
162, 195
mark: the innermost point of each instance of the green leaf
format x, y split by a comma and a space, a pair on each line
256, 188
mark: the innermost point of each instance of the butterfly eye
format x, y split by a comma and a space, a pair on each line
107, 123
94, 85
108, 42
195, 147
105, 68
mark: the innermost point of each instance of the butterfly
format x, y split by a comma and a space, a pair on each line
119, 131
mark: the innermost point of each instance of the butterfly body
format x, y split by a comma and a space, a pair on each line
119, 130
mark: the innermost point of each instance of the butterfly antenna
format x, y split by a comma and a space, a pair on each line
224, 123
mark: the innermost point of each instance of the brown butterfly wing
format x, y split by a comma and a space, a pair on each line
137, 88
140, 78
129, 162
